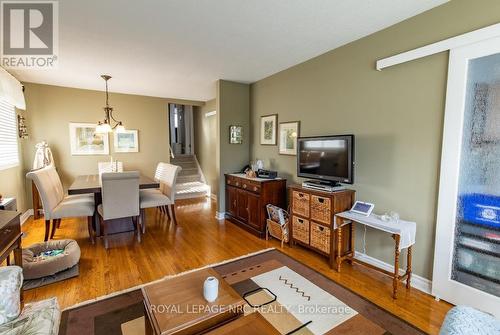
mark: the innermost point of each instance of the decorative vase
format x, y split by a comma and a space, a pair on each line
211, 289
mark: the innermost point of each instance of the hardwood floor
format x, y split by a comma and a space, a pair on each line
199, 239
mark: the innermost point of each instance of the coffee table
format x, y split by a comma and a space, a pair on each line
176, 305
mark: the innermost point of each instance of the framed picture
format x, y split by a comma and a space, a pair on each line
126, 141
235, 134
268, 125
289, 132
85, 141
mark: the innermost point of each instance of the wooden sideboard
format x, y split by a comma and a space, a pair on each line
10, 237
246, 200
312, 225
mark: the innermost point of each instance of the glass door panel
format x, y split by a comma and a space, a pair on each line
476, 254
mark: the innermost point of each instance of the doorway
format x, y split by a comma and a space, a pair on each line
181, 137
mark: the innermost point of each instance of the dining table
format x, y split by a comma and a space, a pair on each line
91, 184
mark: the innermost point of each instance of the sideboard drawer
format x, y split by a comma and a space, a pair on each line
320, 237
321, 209
300, 229
301, 203
250, 186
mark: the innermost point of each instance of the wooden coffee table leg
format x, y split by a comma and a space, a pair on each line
396, 267
148, 330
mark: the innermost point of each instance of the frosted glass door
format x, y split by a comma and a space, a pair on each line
467, 257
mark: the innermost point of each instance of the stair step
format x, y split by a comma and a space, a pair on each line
188, 179
188, 172
191, 190
187, 165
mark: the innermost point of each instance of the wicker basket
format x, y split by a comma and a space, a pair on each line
321, 209
277, 231
320, 237
300, 203
277, 223
300, 228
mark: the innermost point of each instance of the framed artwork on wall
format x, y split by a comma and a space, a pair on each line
235, 134
288, 134
126, 141
85, 141
268, 126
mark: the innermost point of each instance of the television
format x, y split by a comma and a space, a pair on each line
327, 158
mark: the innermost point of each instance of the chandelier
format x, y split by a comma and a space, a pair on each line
105, 126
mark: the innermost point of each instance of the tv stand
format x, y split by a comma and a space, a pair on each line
323, 185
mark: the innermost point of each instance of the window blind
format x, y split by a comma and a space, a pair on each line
9, 156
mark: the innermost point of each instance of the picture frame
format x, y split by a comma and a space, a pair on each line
126, 141
268, 129
84, 140
288, 134
235, 134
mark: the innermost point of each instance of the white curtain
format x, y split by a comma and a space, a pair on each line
11, 90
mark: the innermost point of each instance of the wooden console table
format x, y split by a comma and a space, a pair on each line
403, 233
10, 238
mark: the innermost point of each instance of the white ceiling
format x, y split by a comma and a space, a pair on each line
179, 48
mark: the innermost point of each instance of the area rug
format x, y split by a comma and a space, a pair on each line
292, 297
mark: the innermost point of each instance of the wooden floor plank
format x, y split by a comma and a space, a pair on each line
199, 239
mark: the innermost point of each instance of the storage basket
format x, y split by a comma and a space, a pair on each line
321, 209
277, 224
300, 228
300, 203
320, 237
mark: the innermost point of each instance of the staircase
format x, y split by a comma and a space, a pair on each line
190, 181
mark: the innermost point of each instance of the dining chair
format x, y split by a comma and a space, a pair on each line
164, 197
56, 205
120, 199
116, 166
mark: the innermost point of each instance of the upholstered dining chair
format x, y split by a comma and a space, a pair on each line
164, 197
56, 205
116, 166
120, 199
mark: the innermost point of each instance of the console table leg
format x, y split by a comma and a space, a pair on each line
339, 245
351, 243
396, 267
408, 267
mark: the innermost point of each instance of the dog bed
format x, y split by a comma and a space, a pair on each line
48, 262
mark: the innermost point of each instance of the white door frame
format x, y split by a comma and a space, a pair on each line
442, 284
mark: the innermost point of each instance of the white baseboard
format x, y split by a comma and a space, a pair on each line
418, 282
220, 215
26, 215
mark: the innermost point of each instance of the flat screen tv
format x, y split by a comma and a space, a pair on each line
327, 158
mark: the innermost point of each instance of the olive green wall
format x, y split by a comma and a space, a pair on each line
233, 108
50, 109
206, 139
396, 115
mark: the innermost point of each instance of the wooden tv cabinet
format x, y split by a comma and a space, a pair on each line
311, 219
246, 200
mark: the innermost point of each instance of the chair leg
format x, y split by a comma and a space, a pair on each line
59, 223
8, 259
137, 228
143, 220
47, 230
55, 224
90, 219
168, 212
104, 232
172, 209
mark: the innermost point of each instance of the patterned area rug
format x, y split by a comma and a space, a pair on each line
292, 297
